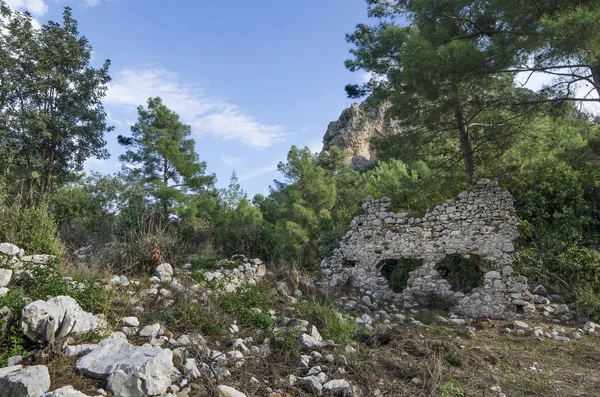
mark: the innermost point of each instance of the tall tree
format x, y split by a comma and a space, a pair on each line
304, 200
162, 157
558, 38
51, 114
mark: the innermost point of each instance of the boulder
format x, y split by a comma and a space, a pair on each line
9, 249
67, 391
17, 381
36, 314
5, 276
226, 391
130, 371
164, 272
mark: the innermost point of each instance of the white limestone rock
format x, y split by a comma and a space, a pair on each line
130, 371
17, 381
226, 391
9, 249
36, 314
5, 276
67, 391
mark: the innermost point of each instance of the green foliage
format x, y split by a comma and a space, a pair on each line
300, 205
47, 280
51, 113
185, 316
462, 274
162, 156
240, 228
328, 320
248, 305
12, 344
588, 303
88, 209
450, 388
31, 228
397, 271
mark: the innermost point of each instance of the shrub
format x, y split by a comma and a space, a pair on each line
185, 316
248, 305
461, 273
397, 271
329, 321
31, 228
47, 280
588, 304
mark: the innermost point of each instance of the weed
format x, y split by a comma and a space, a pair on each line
205, 261
39, 282
450, 388
187, 315
248, 305
450, 356
329, 321
461, 273
397, 271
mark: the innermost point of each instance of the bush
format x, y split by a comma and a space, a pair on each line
47, 280
329, 321
462, 274
588, 304
248, 305
186, 316
31, 228
397, 271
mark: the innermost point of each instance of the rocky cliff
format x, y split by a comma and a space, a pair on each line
353, 131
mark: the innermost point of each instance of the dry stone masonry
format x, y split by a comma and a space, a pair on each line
477, 226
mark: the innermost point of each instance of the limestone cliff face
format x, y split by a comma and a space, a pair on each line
353, 131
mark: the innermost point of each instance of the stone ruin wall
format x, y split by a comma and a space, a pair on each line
479, 222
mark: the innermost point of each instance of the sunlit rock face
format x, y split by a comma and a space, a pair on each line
354, 129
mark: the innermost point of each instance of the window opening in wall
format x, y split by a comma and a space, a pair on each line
463, 274
396, 271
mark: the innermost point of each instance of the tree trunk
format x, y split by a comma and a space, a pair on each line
596, 77
465, 145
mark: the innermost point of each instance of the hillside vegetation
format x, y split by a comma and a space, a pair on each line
450, 75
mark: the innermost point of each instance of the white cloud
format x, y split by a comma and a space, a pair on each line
257, 172
36, 7
205, 114
231, 161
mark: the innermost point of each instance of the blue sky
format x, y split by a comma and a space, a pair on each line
252, 78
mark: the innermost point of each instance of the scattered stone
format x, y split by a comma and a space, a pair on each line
309, 342
17, 381
311, 384
130, 322
337, 385
9, 249
520, 325
591, 327
540, 290
67, 391
36, 315
561, 338
5, 276
150, 331
129, 370
226, 391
